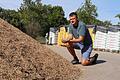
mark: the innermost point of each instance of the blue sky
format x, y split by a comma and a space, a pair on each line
106, 9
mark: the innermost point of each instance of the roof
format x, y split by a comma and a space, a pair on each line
114, 28
102, 29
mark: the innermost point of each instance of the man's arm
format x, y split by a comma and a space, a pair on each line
80, 39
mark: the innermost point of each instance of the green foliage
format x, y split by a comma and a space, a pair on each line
34, 18
107, 23
45, 16
56, 16
118, 16
87, 13
12, 17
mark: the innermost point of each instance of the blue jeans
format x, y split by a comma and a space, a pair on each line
85, 50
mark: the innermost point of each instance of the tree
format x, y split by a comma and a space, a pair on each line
34, 18
87, 13
30, 17
38, 1
45, 15
12, 17
107, 23
118, 16
56, 16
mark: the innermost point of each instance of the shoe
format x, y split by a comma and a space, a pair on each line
94, 59
75, 61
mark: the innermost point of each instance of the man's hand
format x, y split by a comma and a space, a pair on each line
69, 37
65, 40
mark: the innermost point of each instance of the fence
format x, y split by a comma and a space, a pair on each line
103, 38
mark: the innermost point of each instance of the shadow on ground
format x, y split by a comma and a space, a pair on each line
100, 61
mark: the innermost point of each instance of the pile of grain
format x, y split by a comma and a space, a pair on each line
23, 58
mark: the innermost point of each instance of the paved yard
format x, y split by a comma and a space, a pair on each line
107, 67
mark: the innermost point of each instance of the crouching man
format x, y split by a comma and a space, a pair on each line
81, 40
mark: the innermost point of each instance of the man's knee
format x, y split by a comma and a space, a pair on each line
85, 62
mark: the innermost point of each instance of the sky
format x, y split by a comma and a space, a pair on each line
106, 9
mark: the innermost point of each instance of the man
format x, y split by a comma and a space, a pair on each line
81, 40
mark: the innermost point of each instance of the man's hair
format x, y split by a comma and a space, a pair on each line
73, 14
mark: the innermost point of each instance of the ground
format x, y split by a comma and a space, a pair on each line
107, 67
